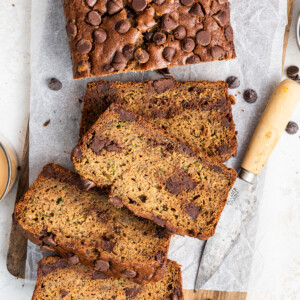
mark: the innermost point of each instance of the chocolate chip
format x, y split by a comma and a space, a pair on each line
88, 184
114, 6
196, 10
71, 29
123, 26
159, 38
159, 221
113, 147
148, 36
292, 71
97, 145
167, 23
179, 32
45, 248
250, 96
141, 55
116, 201
119, 61
192, 210
99, 275
131, 292
187, 44
163, 84
215, 168
168, 53
54, 84
139, 5
84, 46
100, 36
91, 2
128, 51
229, 34
74, 260
108, 68
160, 256
102, 265
76, 153
108, 246
203, 37
46, 269
194, 59
64, 293
292, 127
129, 273
124, 114
94, 18
222, 17
177, 183
49, 241
186, 2
233, 82
217, 52
159, 2
61, 264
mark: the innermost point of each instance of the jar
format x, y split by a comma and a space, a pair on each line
8, 167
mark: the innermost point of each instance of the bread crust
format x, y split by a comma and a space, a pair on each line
149, 271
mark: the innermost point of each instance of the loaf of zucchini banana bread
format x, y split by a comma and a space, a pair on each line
153, 174
57, 280
82, 226
197, 112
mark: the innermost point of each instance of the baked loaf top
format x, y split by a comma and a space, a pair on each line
58, 214
197, 112
153, 174
116, 36
57, 279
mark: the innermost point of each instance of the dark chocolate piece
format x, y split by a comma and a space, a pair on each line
250, 96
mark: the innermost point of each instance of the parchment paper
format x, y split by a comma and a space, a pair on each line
258, 28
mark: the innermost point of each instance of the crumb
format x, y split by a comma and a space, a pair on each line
19, 168
22, 285
13, 5
46, 123
239, 93
243, 110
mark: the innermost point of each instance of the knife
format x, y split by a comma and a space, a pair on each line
241, 202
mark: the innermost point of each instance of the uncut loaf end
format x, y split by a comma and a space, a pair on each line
152, 174
82, 226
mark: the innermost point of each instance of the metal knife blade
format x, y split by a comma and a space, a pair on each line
238, 211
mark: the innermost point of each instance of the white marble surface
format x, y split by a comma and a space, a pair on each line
278, 236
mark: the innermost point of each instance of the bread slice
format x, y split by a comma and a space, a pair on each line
153, 174
57, 280
197, 112
58, 214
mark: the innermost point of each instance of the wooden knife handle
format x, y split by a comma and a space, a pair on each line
271, 125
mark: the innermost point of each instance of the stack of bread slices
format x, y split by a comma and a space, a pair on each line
148, 165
